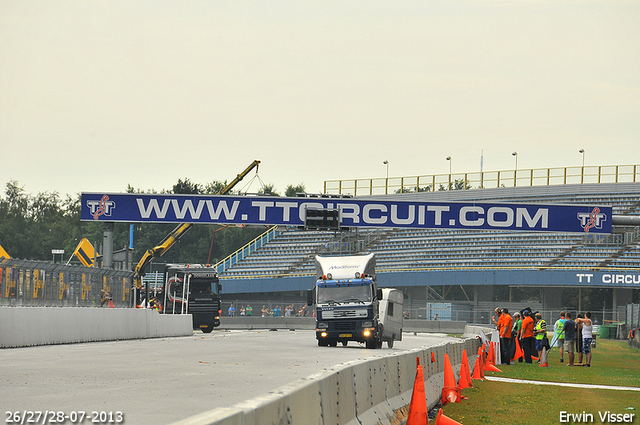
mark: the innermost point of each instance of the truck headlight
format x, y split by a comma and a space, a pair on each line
323, 325
367, 324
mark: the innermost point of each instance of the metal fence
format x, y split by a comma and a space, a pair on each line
485, 179
47, 284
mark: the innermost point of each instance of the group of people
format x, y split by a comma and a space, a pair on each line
289, 311
530, 329
575, 336
244, 311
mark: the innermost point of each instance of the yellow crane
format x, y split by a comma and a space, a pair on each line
178, 232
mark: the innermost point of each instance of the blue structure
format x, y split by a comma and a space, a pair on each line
417, 259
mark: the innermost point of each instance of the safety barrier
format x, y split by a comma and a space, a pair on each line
409, 325
27, 326
374, 391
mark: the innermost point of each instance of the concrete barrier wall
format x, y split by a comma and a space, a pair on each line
257, 322
27, 326
366, 392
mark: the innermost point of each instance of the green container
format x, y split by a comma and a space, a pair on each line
608, 331
604, 332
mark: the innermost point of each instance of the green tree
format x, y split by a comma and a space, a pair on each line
187, 187
268, 190
292, 190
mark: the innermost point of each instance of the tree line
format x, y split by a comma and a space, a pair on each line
33, 225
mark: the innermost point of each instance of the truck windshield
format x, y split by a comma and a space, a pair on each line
339, 293
203, 286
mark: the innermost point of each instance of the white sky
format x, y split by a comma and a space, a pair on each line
95, 95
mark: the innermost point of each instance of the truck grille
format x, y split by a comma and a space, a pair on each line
343, 325
335, 314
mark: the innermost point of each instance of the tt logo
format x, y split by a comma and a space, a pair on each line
592, 220
102, 207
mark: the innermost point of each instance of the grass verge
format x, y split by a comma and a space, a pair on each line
613, 363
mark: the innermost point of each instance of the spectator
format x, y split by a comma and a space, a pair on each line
559, 334
528, 341
232, 310
498, 312
579, 337
540, 331
105, 298
242, 311
587, 337
515, 335
505, 336
276, 311
249, 310
569, 337
265, 311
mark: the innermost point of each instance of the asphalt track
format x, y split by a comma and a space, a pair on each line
159, 381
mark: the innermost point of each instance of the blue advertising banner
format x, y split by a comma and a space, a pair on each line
155, 208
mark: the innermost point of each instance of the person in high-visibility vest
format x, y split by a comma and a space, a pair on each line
558, 329
539, 331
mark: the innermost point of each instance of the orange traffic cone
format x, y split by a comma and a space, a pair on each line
418, 406
519, 353
543, 359
110, 303
477, 368
433, 357
491, 358
491, 361
465, 372
491, 368
441, 419
450, 390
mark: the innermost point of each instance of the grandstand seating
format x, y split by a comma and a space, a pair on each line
291, 253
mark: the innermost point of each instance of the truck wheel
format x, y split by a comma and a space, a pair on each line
344, 343
333, 343
322, 343
207, 330
371, 344
390, 343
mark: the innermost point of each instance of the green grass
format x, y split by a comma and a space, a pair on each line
613, 363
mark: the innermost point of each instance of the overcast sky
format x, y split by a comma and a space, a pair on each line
96, 95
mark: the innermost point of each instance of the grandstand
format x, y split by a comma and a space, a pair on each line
291, 252
420, 251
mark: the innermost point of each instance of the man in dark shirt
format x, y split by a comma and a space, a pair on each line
569, 338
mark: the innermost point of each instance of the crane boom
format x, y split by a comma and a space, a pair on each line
175, 235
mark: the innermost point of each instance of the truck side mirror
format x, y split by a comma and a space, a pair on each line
310, 297
219, 287
379, 294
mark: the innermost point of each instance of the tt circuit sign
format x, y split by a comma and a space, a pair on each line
155, 208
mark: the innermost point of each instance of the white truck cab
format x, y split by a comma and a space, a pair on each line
350, 306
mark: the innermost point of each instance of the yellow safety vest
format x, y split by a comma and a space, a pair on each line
539, 328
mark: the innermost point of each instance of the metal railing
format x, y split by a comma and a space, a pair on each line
485, 180
246, 250
46, 284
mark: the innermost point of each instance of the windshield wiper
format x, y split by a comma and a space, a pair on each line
357, 300
334, 302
